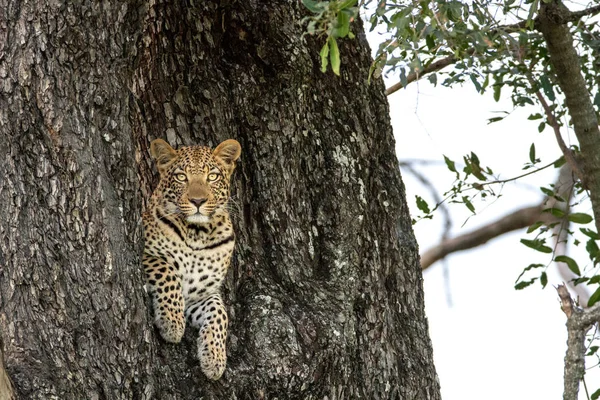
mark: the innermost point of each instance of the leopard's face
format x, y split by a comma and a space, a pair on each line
195, 181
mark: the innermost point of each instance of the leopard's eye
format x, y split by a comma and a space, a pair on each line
213, 176
181, 177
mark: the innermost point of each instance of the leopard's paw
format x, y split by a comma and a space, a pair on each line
212, 356
170, 329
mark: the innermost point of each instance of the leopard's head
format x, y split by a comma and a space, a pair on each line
194, 181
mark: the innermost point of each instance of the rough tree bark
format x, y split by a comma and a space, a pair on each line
325, 294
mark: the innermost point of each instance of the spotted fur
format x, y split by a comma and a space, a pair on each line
189, 241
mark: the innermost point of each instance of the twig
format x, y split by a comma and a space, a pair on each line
516, 177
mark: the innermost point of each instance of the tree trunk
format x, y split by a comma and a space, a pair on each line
325, 292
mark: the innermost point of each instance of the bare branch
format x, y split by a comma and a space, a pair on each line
516, 220
433, 67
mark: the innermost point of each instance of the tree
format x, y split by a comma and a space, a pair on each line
536, 58
325, 293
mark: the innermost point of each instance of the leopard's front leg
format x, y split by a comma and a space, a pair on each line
164, 285
209, 315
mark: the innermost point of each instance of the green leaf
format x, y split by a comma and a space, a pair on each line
592, 248
537, 244
476, 83
433, 79
580, 280
528, 268
594, 297
560, 162
590, 233
596, 395
541, 127
534, 116
422, 205
524, 284
347, 4
544, 279
495, 119
324, 60
486, 83
557, 212
532, 11
343, 25
547, 87
450, 164
593, 350
469, 204
315, 6
334, 55
572, 264
534, 227
497, 90
475, 167
430, 42
532, 153
580, 218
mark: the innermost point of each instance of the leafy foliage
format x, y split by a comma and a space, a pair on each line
495, 47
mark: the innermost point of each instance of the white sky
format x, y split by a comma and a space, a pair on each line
493, 342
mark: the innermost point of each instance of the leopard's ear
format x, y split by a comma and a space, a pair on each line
163, 153
228, 152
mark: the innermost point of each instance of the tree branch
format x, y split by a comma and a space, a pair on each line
519, 219
433, 67
577, 15
516, 220
579, 321
444, 62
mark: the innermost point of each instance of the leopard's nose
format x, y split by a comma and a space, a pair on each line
198, 201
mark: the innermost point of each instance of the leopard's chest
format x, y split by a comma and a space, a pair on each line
203, 271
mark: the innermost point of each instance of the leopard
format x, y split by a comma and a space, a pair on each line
188, 245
